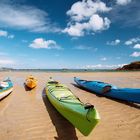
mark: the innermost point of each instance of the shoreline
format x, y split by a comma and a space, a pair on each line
67, 71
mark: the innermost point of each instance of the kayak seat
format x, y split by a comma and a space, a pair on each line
83, 80
106, 89
53, 82
59, 86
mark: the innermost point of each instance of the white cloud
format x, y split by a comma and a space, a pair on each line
128, 42
6, 61
85, 18
97, 23
84, 9
100, 66
94, 66
135, 54
25, 17
6, 34
75, 30
132, 41
123, 2
40, 43
137, 46
113, 43
24, 41
82, 47
11, 36
3, 33
104, 59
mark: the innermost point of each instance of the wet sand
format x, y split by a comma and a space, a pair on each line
28, 115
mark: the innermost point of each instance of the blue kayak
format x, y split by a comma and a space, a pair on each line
108, 90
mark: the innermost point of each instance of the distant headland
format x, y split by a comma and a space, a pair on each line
132, 66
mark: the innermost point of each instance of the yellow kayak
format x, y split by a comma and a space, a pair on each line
31, 82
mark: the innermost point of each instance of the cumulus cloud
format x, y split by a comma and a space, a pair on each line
25, 17
135, 54
85, 18
132, 41
123, 2
24, 41
3, 33
84, 9
11, 36
40, 43
101, 66
76, 29
128, 42
113, 43
137, 46
6, 34
6, 61
83, 47
97, 23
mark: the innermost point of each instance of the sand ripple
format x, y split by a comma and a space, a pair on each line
28, 115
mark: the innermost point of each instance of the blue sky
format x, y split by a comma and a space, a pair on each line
69, 33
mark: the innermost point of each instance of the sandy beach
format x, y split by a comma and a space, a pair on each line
28, 115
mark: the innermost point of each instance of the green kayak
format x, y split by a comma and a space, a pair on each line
83, 116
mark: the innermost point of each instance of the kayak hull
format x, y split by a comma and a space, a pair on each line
6, 90
73, 110
125, 94
31, 82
